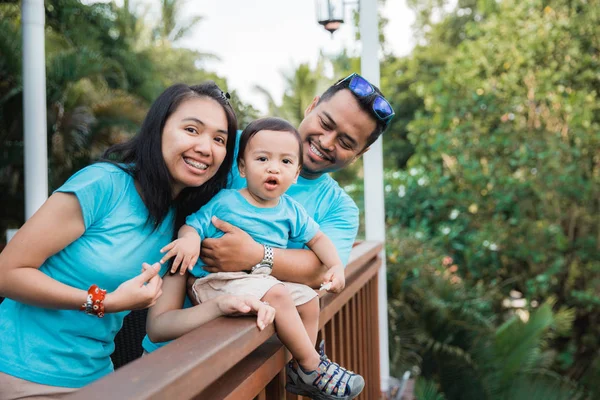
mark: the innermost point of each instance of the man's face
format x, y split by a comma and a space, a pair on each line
334, 134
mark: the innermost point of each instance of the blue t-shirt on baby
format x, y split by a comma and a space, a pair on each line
275, 226
66, 347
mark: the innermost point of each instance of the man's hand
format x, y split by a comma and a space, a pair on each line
235, 251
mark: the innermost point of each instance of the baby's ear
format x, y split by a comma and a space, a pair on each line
242, 167
297, 174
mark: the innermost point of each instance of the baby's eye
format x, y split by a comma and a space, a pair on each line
287, 161
262, 159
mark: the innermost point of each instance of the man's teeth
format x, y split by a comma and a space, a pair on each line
195, 164
316, 151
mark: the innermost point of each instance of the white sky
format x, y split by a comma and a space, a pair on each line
258, 40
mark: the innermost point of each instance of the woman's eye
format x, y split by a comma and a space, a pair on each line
219, 139
191, 129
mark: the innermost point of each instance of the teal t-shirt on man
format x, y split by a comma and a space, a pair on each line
69, 348
324, 200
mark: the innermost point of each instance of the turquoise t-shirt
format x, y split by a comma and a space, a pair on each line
70, 348
275, 226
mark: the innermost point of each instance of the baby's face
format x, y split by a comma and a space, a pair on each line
270, 165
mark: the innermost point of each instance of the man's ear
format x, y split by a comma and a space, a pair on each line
242, 168
312, 105
360, 153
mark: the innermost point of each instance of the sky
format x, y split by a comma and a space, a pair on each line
258, 41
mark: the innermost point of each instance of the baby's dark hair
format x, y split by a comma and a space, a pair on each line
268, 124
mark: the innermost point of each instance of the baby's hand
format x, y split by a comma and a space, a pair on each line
186, 251
335, 279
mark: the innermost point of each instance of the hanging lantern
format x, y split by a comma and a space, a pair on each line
330, 14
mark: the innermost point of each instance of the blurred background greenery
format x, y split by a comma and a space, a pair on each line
492, 171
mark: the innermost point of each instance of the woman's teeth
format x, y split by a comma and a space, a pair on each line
195, 164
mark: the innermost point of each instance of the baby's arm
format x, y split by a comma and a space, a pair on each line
324, 248
186, 249
167, 320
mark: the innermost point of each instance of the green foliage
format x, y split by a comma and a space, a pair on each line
427, 390
505, 181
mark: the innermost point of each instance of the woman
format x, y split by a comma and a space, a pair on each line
95, 233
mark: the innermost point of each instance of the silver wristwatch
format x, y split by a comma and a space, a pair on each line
265, 266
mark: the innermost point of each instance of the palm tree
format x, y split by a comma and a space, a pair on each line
171, 26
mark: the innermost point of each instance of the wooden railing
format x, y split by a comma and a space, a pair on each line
229, 358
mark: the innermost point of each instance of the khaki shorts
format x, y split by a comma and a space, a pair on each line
12, 388
242, 283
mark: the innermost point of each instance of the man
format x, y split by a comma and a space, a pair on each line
337, 129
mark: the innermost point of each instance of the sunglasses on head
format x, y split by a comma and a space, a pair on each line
362, 88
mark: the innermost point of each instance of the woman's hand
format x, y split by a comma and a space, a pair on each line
231, 305
137, 293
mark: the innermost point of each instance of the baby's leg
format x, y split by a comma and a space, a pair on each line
309, 313
290, 328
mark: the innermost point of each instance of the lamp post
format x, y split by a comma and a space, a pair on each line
330, 14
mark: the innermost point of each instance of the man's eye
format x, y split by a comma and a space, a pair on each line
345, 145
324, 125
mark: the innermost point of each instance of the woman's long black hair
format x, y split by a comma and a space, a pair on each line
142, 156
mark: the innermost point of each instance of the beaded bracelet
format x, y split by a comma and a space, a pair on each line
94, 304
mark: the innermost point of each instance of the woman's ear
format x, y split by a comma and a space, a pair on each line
242, 167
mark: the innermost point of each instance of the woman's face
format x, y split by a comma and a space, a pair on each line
194, 142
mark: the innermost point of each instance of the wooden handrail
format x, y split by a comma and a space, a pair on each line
227, 357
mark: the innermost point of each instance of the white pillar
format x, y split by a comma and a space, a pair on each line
34, 106
373, 169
